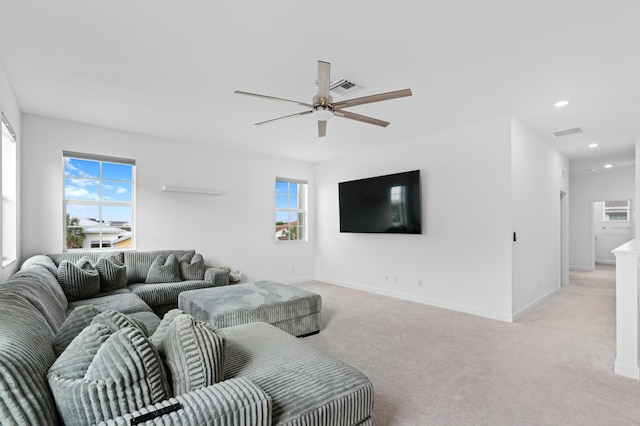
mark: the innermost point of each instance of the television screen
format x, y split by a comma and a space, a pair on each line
382, 204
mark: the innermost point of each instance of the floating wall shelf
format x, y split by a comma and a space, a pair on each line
170, 188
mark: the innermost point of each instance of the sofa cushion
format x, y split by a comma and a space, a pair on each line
192, 267
164, 269
124, 302
113, 273
76, 321
78, 280
104, 374
165, 293
280, 363
139, 262
193, 352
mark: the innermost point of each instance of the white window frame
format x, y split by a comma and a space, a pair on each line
301, 210
9, 185
100, 202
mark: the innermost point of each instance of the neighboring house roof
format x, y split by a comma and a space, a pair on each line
282, 231
286, 225
92, 226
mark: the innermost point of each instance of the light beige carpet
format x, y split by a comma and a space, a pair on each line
432, 366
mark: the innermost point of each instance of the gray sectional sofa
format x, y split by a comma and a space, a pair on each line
269, 377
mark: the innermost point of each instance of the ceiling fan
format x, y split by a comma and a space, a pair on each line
323, 108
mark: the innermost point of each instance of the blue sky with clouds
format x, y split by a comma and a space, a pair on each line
287, 197
83, 182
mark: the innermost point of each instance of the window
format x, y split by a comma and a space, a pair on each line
616, 211
291, 210
9, 194
99, 194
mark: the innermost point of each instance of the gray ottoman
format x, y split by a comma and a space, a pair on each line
289, 308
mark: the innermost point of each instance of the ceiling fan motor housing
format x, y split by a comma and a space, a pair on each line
322, 108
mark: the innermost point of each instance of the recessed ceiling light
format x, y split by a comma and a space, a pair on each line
592, 170
592, 145
608, 166
561, 103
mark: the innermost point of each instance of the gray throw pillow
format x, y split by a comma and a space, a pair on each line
192, 267
117, 320
104, 374
193, 352
113, 273
162, 328
164, 270
75, 322
78, 280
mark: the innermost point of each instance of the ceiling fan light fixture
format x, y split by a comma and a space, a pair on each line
322, 112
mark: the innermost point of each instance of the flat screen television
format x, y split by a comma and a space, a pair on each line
382, 204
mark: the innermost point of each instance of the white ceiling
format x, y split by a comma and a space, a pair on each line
169, 69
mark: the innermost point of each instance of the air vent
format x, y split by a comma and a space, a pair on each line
344, 87
567, 132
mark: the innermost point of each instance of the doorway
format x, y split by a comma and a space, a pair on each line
612, 227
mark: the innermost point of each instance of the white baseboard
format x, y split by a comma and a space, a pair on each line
424, 300
535, 303
293, 280
581, 268
606, 262
631, 371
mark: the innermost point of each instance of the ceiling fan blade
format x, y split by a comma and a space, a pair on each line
322, 128
324, 71
363, 118
373, 98
273, 98
282, 118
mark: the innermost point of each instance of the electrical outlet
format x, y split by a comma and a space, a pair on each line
395, 278
386, 278
419, 283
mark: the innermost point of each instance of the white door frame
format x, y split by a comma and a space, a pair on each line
564, 240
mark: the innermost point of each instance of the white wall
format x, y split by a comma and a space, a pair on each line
585, 190
463, 256
537, 181
477, 188
9, 107
236, 229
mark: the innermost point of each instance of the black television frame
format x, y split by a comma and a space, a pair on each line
366, 206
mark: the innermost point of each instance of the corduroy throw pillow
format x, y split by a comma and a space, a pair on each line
113, 273
104, 374
164, 270
117, 320
193, 352
192, 267
78, 280
75, 322
161, 330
